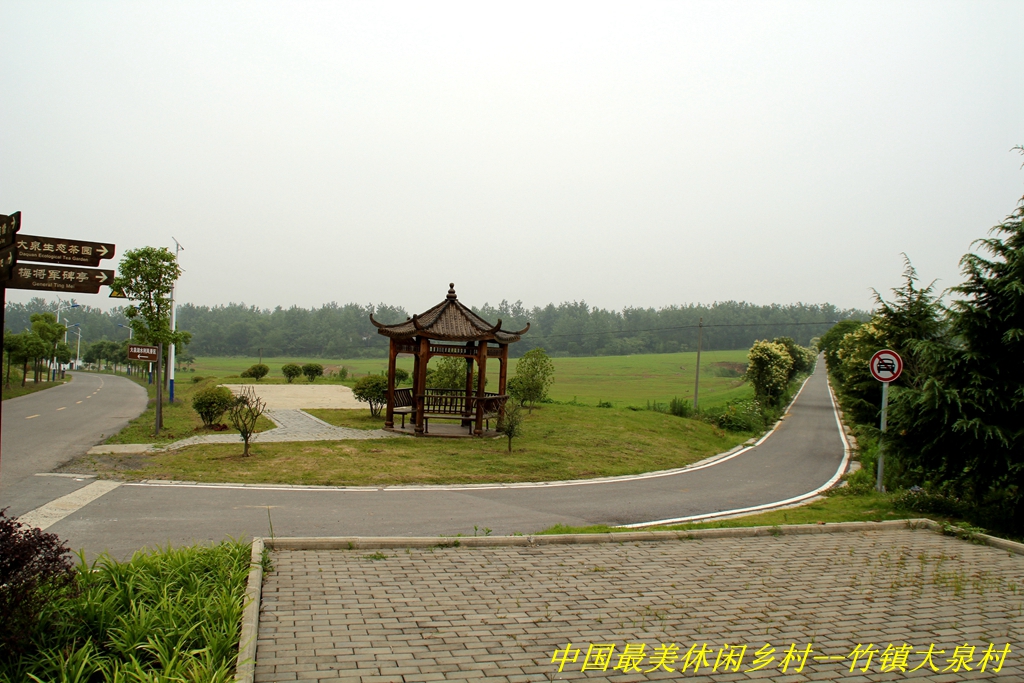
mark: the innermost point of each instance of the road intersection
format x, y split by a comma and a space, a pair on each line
805, 453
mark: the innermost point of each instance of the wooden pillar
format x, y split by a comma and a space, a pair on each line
503, 381
480, 384
503, 372
469, 384
389, 416
424, 358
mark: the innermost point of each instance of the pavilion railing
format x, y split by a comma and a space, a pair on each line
450, 403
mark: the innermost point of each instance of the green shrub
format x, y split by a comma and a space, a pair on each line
858, 483
342, 373
769, 370
257, 371
448, 373
401, 376
197, 379
34, 566
291, 372
372, 389
212, 403
916, 499
534, 375
172, 615
680, 407
312, 371
739, 416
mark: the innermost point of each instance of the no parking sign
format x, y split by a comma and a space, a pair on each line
886, 365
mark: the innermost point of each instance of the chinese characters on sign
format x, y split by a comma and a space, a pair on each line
904, 658
136, 352
59, 278
59, 250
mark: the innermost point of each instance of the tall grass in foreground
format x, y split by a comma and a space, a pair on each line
169, 615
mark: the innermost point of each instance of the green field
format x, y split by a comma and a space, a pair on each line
558, 442
620, 380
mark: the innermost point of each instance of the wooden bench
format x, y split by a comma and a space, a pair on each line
403, 404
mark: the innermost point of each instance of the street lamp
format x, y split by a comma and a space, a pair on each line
130, 332
65, 304
129, 328
78, 349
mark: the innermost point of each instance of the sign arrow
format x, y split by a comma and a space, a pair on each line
102, 277
102, 251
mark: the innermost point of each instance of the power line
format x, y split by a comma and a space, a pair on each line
677, 327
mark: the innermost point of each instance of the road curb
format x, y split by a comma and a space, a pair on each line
245, 668
381, 542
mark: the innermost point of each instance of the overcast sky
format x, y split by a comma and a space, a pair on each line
626, 154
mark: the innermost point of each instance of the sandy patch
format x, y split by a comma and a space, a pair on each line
299, 396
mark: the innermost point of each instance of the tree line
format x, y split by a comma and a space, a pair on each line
955, 437
566, 329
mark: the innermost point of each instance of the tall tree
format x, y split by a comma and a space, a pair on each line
961, 429
146, 276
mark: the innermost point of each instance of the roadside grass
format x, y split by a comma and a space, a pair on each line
869, 507
30, 387
180, 420
559, 442
169, 615
619, 380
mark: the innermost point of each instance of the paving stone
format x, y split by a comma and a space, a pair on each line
500, 613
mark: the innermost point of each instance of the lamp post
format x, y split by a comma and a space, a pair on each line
171, 347
53, 366
130, 332
78, 349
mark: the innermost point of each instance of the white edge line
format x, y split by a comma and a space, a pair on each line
767, 506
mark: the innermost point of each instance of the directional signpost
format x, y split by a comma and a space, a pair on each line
148, 353
51, 264
886, 366
60, 250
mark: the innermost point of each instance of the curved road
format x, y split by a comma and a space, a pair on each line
803, 454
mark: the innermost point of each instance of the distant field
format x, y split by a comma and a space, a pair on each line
621, 380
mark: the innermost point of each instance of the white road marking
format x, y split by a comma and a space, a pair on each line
77, 401
64, 408
31, 416
47, 515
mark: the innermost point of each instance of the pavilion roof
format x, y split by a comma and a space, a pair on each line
449, 321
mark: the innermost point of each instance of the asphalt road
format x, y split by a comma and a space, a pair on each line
803, 454
46, 429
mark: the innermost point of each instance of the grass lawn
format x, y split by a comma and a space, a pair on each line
620, 380
180, 421
559, 442
30, 387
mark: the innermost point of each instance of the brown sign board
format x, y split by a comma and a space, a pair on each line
136, 352
60, 250
56, 278
7, 263
9, 225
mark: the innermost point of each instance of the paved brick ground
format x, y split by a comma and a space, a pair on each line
292, 425
500, 613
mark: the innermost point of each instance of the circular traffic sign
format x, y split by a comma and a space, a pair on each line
886, 365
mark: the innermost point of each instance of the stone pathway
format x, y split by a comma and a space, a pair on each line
501, 613
292, 425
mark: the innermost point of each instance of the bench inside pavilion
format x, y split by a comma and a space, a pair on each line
447, 329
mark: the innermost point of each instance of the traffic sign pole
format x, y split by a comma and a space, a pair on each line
881, 444
886, 366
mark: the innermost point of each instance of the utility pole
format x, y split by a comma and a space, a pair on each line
170, 349
696, 382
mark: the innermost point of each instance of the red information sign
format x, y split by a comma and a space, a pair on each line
136, 352
886, 365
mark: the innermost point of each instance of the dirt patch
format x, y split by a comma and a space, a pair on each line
735, 367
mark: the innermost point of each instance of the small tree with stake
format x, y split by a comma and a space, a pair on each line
244, 413
512, 423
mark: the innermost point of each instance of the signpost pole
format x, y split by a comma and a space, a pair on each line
696, 382
159, 388
171, 349
881, 443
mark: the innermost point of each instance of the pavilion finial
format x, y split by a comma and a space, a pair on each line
451, 291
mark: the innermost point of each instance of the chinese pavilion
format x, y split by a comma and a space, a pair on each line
447, 329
